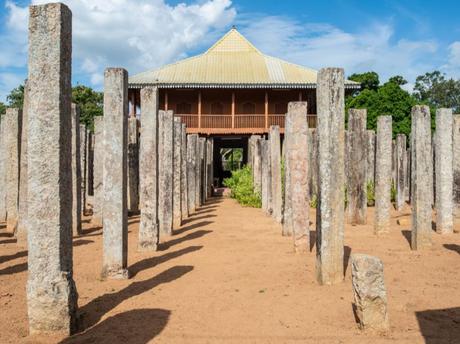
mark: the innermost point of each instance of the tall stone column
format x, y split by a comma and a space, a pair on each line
51, 292
266, 177
98, 171
202, 142
444, 172
13, 129
257, 167
76, 171
393, 163
192, 143
357, 155
330, 210
209, 153
21, 233
401, 171
275, 162
89, 168
456, 162
370, 173
84, 165
313, 163
115, 175
383, 176
133, 165
148, 170
422, 179
198, 167
183, 170
165, 168
287, 147
177, 172
2, 170
297, 185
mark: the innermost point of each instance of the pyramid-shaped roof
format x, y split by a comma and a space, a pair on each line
232, 62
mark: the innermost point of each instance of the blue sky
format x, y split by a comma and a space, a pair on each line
390, 37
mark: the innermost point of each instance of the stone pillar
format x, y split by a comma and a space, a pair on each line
148, 171
115, 175
192, 140
83, 163
21, 233
357, 155
98, 171
286, 154
444, 172
275, 162
165, 169
13, 129
297, 175
370, 173
51, 292
257, 166
177, 172
89, 168
266, 176
2, 170
313, 163
76, 171
330, 209
383, 175
369, 293
456, 162
133, 165
393, 163
202, 148
422, 179
183, 170
198, 167
401, 171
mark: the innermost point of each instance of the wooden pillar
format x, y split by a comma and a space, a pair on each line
166, 100
266, 110
233, 109
199, 109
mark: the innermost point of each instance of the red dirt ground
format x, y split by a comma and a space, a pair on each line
228, 275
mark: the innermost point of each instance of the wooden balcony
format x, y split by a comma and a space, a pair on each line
236, 124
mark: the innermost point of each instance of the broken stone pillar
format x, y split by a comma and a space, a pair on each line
177, 171
357, 155
369, 293
257, 167
444, 172
76, 171
421, 177
183, 176
275, 162
297, 175
192, 143
383, 176
148, 170
2, 170
51, 292
115, 175
370, 173
165, 170
456, 162
98, 199
83, 163
312, 163
401, 171
266, 176
330, 210
13, 129
21, 232
133, 165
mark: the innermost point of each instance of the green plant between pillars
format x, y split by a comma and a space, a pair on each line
242, 188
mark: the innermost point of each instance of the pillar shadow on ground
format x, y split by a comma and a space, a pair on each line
190, 236
439, 325
192, 226
82, 242
6, 234
186, 221
14, 269
138, 326
452, 247
93, 311
16, 255
8, 241
198, 213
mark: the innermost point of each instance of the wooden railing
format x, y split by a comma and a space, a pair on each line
249, 121
216, 121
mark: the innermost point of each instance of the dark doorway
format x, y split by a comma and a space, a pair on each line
230, 153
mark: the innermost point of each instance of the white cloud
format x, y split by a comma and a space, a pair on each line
452, 67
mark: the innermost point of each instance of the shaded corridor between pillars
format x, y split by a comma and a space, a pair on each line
228, 276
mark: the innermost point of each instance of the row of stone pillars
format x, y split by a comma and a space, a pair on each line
50, 164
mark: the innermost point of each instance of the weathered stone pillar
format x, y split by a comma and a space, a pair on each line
313, 163
202, 148
76, 171
266, 176
83, 163
297, 175
456, 162
257, 167
330, 210
21, 233
357, 155
287, 147
133, 165
183, 176
198, 174
165, 169
275, 161
115, 174
98, 201
401, 171
148, 171
422, 179
192, 143
370, 173
89, 166
383, 176
2, 170
209, 153
177, 171
51, 292
393, 162
444, 172
13, 129
369, 293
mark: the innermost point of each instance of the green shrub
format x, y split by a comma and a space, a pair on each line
370, 194
313, 201
242, 188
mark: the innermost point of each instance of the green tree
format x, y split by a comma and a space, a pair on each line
437, 91
90, 103
16, 97
2, 109
368, 80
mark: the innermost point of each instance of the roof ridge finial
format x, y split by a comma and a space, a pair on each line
233, 27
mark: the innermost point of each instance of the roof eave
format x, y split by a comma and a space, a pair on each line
135, 85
